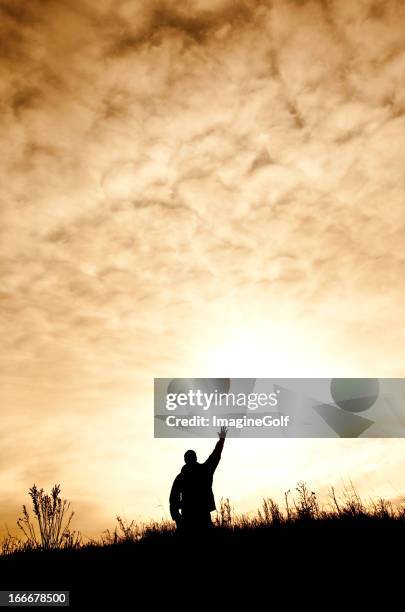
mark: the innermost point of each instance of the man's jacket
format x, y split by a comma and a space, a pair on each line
192, 488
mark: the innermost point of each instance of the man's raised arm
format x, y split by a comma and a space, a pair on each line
215, 456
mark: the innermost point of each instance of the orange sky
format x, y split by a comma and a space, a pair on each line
193, 188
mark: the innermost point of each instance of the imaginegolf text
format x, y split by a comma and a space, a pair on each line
237, 422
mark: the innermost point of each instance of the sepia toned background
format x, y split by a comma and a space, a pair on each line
193, 188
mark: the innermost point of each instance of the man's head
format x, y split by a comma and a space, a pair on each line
190, 457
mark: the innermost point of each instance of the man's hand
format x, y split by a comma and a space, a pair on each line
222, 433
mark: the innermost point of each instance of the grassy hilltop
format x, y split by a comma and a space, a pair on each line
302, 536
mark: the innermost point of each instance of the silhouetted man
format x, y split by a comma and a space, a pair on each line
191, 497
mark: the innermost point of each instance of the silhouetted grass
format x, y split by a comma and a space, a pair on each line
49, 526
301, 536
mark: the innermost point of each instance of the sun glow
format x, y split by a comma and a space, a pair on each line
265, 353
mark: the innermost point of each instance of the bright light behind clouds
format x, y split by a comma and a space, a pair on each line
246, 351
193, 188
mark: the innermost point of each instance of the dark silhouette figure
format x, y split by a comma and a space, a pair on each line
191, 497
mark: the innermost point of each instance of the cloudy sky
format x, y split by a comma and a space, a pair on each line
193, 188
